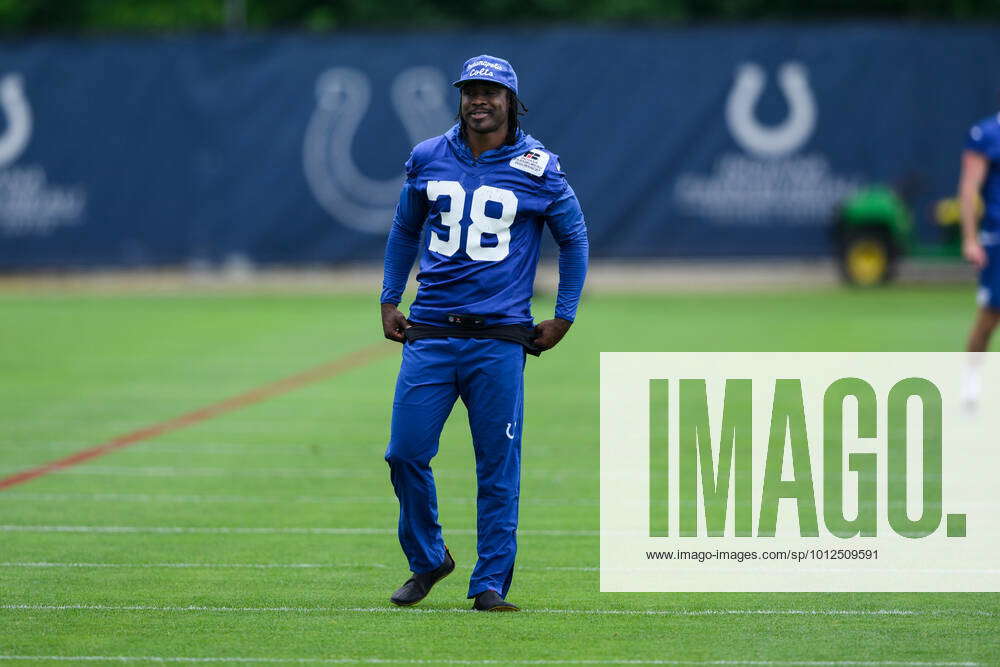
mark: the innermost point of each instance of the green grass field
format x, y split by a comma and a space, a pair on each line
266, 534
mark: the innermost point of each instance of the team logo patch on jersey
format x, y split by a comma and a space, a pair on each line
533, 162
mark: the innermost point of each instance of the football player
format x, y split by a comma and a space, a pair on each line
981, 240
473, 206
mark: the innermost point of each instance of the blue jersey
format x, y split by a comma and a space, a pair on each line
477, 223
984, 138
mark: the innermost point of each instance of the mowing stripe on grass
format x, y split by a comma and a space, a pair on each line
245, 530
283, 386
460, 610
459, 661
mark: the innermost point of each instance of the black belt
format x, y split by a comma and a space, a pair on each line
515, 333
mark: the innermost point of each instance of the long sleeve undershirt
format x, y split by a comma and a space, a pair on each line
565, 221
404, 241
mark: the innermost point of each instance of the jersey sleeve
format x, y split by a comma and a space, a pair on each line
981, 140
565, 220
404, 236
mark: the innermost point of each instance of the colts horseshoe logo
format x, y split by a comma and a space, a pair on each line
784, 138
18, 113
343, 94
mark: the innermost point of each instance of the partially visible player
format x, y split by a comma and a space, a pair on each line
474, 206
981, 240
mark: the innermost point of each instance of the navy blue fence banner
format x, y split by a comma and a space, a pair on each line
289, 149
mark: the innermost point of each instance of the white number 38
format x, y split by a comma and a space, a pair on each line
481, 223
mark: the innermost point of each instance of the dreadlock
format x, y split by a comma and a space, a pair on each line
515, 108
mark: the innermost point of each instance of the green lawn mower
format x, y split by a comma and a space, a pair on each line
874, 229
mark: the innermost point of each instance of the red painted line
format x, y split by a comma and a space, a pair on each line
322, 372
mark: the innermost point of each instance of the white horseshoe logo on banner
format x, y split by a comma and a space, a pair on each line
18, 113
781, 139
342, 98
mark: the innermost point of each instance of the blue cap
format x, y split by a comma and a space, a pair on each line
488, 68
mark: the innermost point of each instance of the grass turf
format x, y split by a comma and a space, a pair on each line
79, 370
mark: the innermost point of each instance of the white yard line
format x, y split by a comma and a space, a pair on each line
204, 499
197, 499
174, 471
262, 566
459, 661
547, 568
457, 610
246, 530
287, 451
359, 451
375, 471
220, 446
249, 566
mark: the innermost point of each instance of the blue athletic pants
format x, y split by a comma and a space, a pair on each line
488, 375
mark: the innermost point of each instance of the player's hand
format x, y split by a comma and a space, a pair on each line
394, 323
550, 332
974, 253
